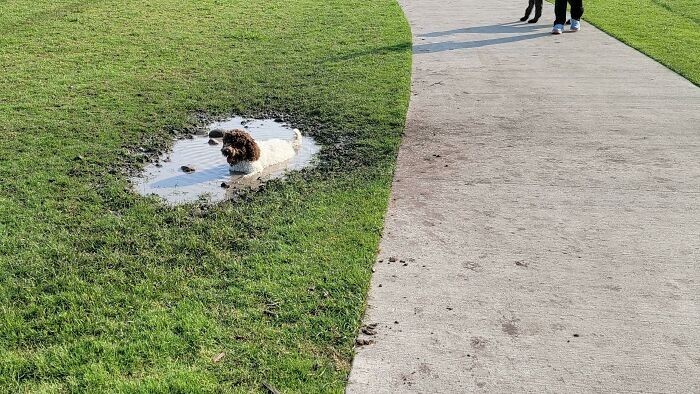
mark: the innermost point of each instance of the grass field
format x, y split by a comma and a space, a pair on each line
666, 30
105, 291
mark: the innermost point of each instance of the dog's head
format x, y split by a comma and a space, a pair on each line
239, 146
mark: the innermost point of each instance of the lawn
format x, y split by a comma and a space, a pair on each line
105, 291
666, 30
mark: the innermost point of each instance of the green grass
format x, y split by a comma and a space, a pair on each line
105, 291
666, 30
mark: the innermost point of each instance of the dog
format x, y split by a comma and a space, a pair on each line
537, 4
247, 156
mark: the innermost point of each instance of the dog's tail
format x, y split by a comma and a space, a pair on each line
297, 138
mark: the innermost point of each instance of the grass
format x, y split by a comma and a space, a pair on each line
105, 291
666, 30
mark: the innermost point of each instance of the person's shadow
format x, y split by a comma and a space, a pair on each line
533, 31
505, 28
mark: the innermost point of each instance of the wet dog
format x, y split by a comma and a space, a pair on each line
245, 155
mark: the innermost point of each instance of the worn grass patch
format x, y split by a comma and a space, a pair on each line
102, 290
666, 30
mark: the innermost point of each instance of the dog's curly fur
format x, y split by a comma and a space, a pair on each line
245, 155
239, 146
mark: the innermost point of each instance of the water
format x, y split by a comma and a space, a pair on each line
167, 180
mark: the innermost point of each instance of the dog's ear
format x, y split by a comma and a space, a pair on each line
229, 137
252, 150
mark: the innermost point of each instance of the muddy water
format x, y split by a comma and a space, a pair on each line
167, 180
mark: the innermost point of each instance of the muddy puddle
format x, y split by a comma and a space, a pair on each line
211, 179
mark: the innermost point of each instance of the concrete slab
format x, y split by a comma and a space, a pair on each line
546, 207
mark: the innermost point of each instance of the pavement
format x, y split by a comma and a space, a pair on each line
544, 218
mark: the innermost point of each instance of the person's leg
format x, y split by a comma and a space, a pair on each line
528, 10
576, 9
560, 12
538, 9
576, 13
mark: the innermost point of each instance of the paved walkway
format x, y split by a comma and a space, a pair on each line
547, 206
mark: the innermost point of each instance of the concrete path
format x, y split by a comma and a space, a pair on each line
547, 207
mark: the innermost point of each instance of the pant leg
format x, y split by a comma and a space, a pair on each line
560, 12
576, 9
528, 10
538, 8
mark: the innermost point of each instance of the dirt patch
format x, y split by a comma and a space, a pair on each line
479, 343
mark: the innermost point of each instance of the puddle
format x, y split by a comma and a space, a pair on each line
167, 180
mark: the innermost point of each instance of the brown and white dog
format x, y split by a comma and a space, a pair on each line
246, 155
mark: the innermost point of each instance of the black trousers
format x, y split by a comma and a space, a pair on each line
537, 4
560, 10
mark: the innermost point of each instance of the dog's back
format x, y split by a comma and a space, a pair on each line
272, 152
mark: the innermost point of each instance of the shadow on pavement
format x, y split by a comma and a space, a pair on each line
514, 27
453, 45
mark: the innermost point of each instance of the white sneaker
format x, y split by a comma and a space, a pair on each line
558, 29
575, 25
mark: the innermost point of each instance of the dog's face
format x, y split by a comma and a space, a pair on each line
239, 146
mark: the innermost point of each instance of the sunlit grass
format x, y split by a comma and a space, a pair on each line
102, 290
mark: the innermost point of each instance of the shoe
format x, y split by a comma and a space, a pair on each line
575, 25
558, 29
523, 19
533, 20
